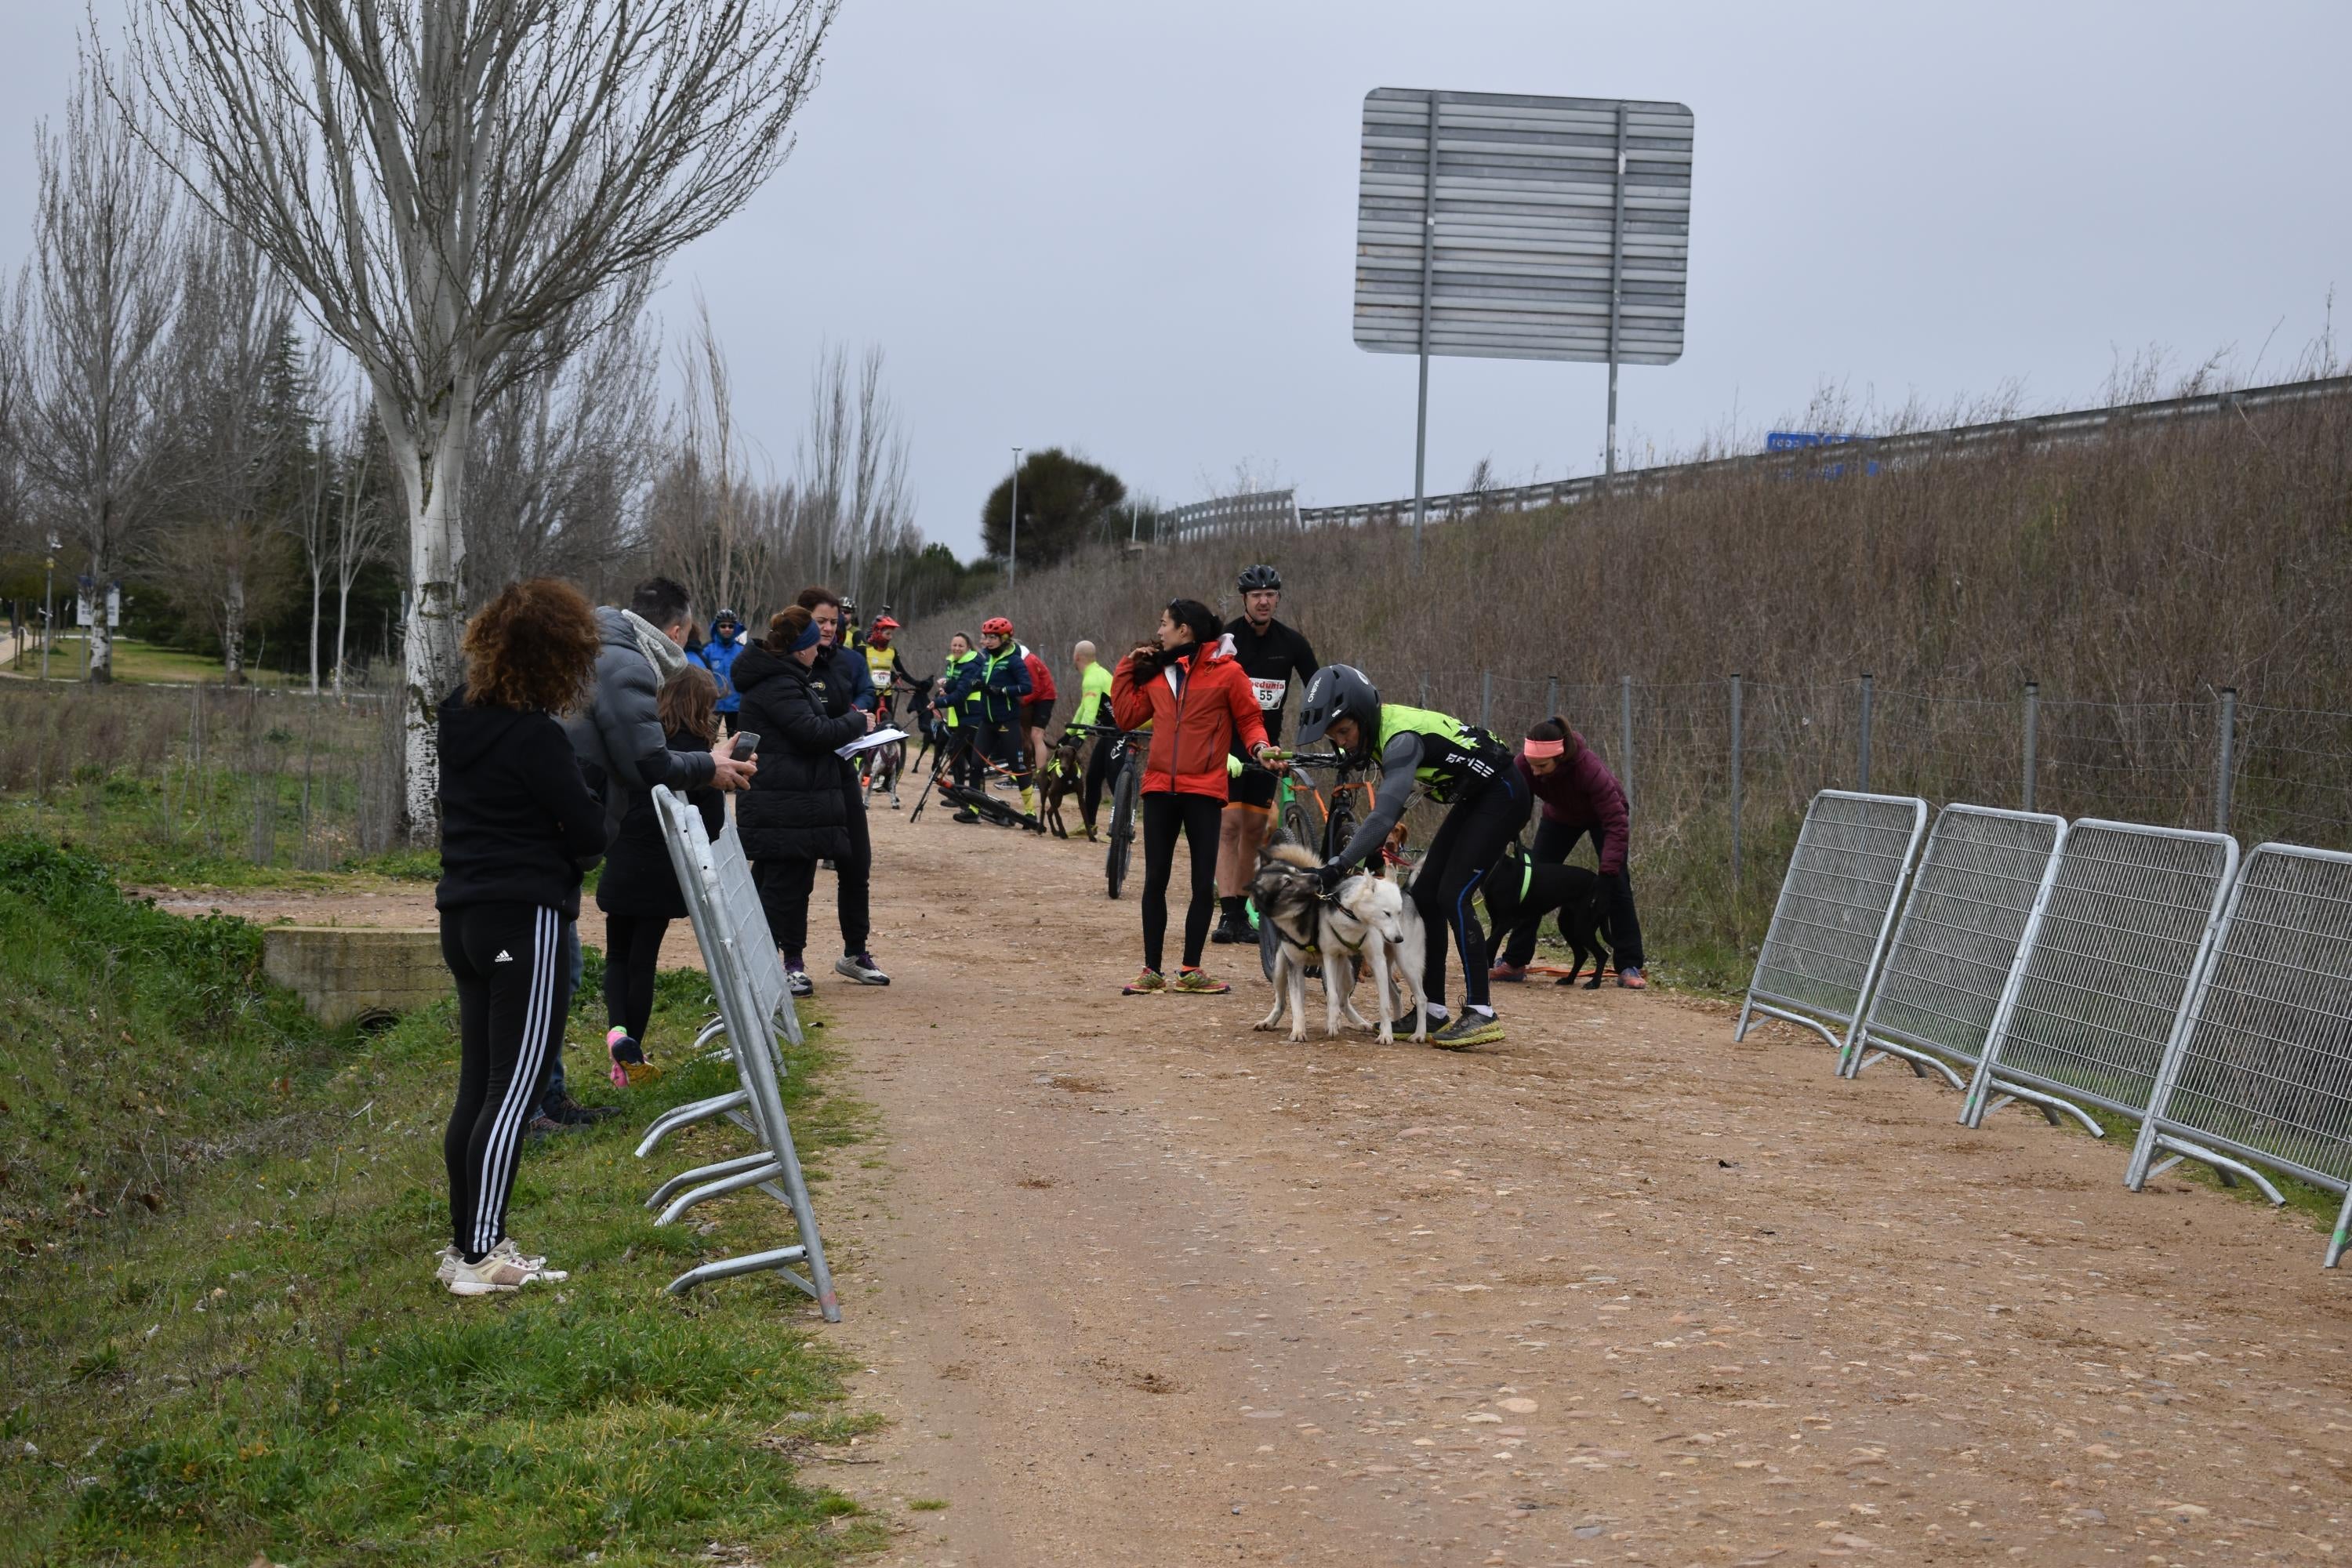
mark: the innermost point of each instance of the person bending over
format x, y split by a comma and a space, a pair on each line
518, 823
1189, 688
1579, 797
1270, 654
1462, 767
639, 891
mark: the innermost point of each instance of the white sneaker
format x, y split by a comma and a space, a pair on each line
513, 1253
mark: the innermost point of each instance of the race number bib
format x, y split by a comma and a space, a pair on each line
1270, 692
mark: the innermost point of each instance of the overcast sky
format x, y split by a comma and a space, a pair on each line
1129, 229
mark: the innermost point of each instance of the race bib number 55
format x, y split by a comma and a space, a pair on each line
1270, 692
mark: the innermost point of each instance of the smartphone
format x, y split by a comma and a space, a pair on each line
746, 742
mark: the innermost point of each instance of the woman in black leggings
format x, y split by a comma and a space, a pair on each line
1188, 686
517, 822
639, 892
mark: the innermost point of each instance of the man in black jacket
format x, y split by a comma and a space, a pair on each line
621, 745
1270, 654
842, 677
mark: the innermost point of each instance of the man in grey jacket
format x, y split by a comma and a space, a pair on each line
622, 750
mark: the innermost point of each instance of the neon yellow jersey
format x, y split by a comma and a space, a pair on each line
1094, 685
1452, 754
881, 663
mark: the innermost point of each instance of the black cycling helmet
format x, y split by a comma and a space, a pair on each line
1340, 691
726, 617
1253, 578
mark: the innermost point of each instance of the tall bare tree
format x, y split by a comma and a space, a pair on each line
712, 524
562, 458
101, 290
465, 190
239, 431
852, 467
362, 533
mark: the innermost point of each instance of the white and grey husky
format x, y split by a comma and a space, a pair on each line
1365, 918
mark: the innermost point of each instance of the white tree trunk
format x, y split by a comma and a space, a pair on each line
318, 595
233, 628
342, 619
98, 659
432, 618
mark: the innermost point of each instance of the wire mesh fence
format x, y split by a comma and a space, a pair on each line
2108, 966
1836, 904
2264, 1068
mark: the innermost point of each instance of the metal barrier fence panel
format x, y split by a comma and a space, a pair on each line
2263, 1070
1836, 906
1983, 873
775, 1167
2104, 982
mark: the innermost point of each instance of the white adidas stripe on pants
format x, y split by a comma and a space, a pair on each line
505, 1133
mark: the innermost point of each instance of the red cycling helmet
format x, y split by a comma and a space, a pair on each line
996, 626
883, 624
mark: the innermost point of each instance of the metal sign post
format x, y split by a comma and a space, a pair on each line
1501, 225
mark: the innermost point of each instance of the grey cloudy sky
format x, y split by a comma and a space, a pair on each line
1129, 228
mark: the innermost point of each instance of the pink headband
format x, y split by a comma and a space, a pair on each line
1545, 748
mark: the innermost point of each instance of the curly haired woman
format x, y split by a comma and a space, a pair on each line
517, 821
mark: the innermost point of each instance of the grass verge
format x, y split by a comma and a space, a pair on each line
222, 1334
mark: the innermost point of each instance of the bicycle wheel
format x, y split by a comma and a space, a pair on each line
1301, 820
1339, 826
1122, 827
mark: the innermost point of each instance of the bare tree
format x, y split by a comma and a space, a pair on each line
563, 456
238, 428
101, 290
466, 190
851, 468
363, 532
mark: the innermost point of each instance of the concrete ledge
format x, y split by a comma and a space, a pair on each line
342, 973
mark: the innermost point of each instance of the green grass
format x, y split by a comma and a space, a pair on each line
222, 1333
136, 662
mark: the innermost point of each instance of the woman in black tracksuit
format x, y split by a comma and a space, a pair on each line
517, 821
639, 891
794, 814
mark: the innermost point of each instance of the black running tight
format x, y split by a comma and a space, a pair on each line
513, 990
632, 952
1165, 816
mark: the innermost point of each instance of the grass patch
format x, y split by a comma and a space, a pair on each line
222, 1333
135, 662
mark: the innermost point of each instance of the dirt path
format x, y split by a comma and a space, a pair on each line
1137, 1285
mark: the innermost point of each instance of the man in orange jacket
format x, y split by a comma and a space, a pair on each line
1186, 685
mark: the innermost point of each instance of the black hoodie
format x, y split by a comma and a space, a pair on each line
517, 818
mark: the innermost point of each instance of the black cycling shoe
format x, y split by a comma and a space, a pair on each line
966, 814
1225, 936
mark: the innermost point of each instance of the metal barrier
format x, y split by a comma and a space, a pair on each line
2264, 1068
2103, 987
1981, 877
733, 936
1837, 903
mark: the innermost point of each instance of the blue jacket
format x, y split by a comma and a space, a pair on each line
994, 684
718, 657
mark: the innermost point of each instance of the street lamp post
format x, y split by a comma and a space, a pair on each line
49, 604
1012, 528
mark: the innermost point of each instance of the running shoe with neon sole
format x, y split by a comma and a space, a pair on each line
1631, 979
1148, 983
629, 1066
1470, 1029
1196, 983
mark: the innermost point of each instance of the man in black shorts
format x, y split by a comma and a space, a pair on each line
1270, 654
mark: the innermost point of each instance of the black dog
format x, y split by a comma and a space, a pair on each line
1517, 891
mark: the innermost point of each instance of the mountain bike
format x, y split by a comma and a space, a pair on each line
1126, 758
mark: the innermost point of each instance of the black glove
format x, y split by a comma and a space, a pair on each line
1330, 875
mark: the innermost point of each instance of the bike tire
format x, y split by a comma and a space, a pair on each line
1338, 826
1122, 829
1298, 821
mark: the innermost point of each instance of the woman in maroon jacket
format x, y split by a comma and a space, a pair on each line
1579, 795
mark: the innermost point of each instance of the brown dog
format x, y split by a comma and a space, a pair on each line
1060, 781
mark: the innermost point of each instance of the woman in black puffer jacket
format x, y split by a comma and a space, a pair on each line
795, 814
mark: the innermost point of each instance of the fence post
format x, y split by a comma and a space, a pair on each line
1485, 699
1735, 784
1551, 697
2033, 736
2228, 760
1625, 737
1864, 784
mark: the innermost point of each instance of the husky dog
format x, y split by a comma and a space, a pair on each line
1365, 918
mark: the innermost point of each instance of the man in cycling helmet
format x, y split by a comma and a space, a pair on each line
718, 656
1462, 768
993, 687
1270, 654
882, 664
